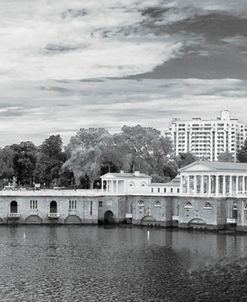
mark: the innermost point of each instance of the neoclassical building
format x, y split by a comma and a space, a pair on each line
207, 195
214, 179
125, 183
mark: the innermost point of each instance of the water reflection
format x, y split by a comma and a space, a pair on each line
75, 263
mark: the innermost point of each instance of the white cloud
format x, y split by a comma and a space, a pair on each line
49, 41
65, 107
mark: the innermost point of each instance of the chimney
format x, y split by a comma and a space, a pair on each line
137, 173
122, 171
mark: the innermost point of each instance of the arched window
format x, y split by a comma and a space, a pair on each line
141, 203
157, 204
53, 207
207, 205
188, 205
13, 206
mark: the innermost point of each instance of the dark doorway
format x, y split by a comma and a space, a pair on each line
13, 207
235, 212
53, 207
109, 218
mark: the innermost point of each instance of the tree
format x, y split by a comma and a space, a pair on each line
6, 165
86, 152
242, 153
50, 161
226, 157
170, 169
24, 161
142, 148
184, 159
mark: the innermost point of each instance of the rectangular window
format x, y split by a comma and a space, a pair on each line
100, 204
158, 190
72, 204
91, 208
33, 204
164, 190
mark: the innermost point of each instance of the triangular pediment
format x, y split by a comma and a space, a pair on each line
108, 176
197, 167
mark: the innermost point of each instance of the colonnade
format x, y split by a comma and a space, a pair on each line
110, 186
213, 184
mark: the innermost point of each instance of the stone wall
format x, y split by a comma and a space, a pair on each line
184, 212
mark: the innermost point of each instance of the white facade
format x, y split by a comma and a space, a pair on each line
169, 188
208, 138
214, 179
125, 183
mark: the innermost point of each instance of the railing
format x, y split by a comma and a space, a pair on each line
128, 215
14, 215
233, 194
53, 215
175, 218
231, 220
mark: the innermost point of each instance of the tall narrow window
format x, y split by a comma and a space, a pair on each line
91, 208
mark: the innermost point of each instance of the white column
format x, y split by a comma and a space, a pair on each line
195, 186
243, 185
188, 184
209, 185
102, 185
117, 186
202, 184
224, 185
236, 184
217, 185
181, 184
230, 185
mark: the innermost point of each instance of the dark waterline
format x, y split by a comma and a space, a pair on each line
77, 263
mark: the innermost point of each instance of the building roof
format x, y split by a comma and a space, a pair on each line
175, 182
204, 166
125, 175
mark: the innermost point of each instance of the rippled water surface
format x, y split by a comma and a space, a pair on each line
90, 263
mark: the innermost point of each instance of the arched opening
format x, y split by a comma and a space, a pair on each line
207, 205
148, 221
140, 203
235, 211
33, 219
53, 207
157, 204
197, 223
13, 207
188, 205
72, 219
109, 218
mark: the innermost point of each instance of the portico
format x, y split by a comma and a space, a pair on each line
123, 183
214, 179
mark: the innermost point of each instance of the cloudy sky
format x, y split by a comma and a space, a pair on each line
71, 64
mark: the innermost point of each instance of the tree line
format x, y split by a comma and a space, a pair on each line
92, 152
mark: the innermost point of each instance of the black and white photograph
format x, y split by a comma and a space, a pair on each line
123, 150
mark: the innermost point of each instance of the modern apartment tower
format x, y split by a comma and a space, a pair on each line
208, 138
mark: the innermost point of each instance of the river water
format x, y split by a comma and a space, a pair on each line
90, 263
